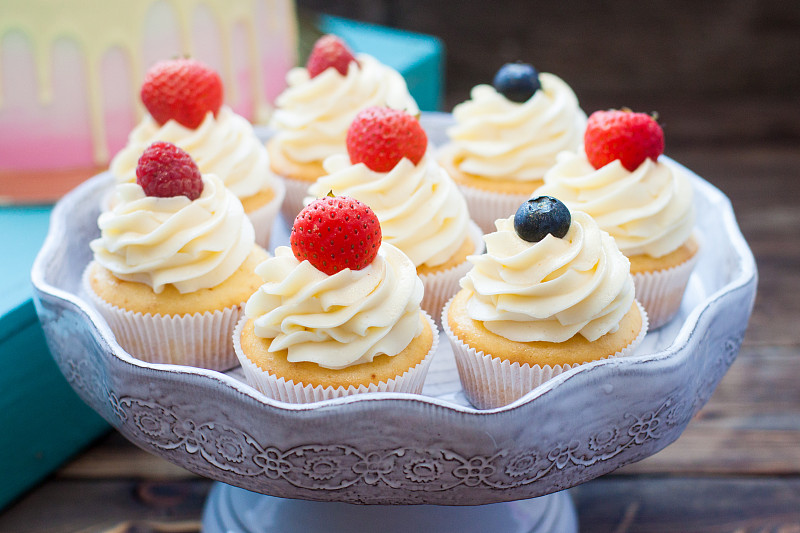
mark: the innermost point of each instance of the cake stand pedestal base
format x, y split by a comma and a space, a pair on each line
231, 509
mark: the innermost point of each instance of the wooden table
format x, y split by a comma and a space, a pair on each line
735, 468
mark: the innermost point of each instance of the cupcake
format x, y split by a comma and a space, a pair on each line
642, 200
506, 136
552, 292
174, 263
337, 314
312, 115
184, 102
421, 211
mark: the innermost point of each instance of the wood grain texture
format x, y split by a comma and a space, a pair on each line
687, 505
66, 506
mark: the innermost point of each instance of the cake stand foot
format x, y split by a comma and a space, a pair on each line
231, 509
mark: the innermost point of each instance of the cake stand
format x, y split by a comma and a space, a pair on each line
414, 458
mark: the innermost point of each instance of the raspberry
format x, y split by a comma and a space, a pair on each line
184, 90
380, 137
164, 170
329, 51
624, 135
336, 232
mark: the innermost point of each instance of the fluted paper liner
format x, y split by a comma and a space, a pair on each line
264, 217
441, 286
200, 339
661, 291
285, 390
486, 206
490, 382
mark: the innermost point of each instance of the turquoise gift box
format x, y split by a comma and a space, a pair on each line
42, 421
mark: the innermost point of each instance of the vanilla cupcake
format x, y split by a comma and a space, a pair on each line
506, 136
645, 202
220, 141
312, 115
421, 211
552, 292
331, 319
174, 263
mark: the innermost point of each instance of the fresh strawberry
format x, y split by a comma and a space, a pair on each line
380, 137
329, 51
184, 90
336, 232
624, 135
164, 170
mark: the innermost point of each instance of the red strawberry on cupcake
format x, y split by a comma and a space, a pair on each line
380, 137
184, 90
624, 135
336, 232
329, 51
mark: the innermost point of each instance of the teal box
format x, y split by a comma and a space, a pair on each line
43, 422
419, 58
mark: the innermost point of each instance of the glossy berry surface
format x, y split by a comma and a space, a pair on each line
336, 232
164, 170
183, 90
540, 216
380, 137
622, 135
329, 51
517, 81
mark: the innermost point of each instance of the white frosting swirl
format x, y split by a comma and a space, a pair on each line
553, 289
497, 138
313, 114
420, 208
648, 211
340, 320
189, 244
225, 146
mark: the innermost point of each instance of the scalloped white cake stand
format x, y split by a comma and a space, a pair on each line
278, 461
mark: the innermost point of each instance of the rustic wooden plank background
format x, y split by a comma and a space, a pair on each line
725, 79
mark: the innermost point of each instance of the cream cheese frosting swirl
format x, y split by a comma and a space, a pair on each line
648, 211
496, 138
225, 145
553, 289
420, 208
313, 114
340, 320
189, 244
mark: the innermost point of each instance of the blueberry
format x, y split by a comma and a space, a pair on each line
517, 81
539, 216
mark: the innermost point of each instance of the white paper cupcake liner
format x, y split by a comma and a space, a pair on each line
490, 382
486, 206
441, 286
296, 191
285, 390
263, 217
200, 339
661, 291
